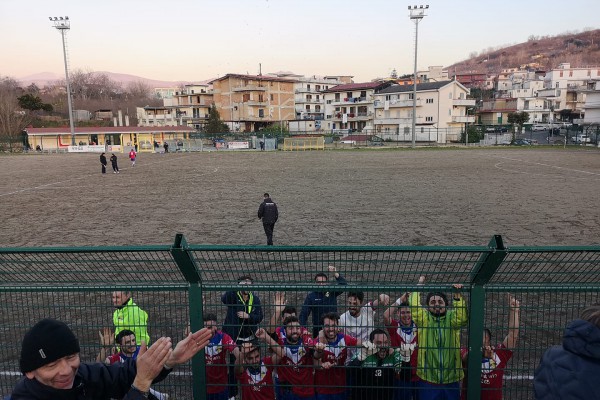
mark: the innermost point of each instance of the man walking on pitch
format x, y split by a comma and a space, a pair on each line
269, 214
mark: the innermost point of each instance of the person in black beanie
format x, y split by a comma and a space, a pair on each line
52, 368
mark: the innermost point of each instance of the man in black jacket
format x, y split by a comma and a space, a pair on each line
52, 368
269, 214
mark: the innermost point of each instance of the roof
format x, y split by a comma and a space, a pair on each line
255, 77
108, 130
357, 86
420, 87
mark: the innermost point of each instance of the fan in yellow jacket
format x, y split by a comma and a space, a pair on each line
129, 316
439, 362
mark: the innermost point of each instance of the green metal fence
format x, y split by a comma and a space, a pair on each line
176, 284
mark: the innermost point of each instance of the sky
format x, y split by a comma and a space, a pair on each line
194, 40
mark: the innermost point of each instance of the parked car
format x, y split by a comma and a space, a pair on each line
537, 127
581, 139
521, 142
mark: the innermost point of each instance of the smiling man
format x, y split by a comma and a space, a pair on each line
52, 368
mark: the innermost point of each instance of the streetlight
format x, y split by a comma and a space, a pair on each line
416, 14
63, 24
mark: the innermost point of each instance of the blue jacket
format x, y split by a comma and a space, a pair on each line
571, 371
237, 327
319, 303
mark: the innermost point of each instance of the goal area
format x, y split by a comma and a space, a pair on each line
304, 143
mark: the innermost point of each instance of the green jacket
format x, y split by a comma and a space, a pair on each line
438, 358
131, 317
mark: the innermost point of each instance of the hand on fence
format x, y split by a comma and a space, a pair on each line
384, 299
327, 365
261, 334
331, 268
513, 303
367, 350
422, 280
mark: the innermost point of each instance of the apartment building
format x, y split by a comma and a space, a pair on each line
350, 107
191, 104
156, 116
441, 105
248, 103
495, 112
592, 104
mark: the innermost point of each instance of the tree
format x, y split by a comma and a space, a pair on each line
215, 124
13, 119
33, 103
517, 118
139, 90
274, 129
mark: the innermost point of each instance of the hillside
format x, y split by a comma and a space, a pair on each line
541, 53
45, 78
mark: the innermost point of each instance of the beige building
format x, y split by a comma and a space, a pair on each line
248, 103
441, 111
191, 105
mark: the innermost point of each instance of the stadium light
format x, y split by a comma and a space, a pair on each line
416, 14
63, 25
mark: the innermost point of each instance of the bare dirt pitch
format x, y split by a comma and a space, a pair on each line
360, 197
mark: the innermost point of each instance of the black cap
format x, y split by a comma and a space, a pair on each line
46, 342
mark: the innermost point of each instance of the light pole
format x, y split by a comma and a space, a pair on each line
416, 14
63, 24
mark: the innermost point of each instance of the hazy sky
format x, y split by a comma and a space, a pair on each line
194, 40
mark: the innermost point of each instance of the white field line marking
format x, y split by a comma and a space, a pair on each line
108, 171
499, 166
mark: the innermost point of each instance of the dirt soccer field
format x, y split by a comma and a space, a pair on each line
378, 197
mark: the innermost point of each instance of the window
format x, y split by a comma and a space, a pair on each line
271, 97
260, 98
363, 93
410, 96
261, 113
429, 101
570, 73
337, 97
429, 119
307, 87
349, 95
561, 74
317, 97
449, 111
318, 88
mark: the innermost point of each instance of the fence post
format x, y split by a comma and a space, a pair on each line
482, 272
186, 265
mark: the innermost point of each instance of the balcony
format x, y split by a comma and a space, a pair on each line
464, 102
256, 103
249, 88
397, 103
311, 101
463, 118
351, 100
305, 90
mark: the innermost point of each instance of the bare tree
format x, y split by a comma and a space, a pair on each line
13, 119
139, 90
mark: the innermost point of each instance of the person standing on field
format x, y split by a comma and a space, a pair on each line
132, 155
113, 161
103, 162
268, 213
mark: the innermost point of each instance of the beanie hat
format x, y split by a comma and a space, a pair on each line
46, 342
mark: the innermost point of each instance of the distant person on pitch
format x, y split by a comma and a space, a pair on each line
113, 161
132, 155
269, 214
103, 162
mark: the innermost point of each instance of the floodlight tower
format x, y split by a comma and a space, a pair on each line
63, 24
416, 14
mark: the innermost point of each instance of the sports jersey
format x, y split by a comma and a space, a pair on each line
333, 380
492, 373
297, 367
216, 361
374, 378
120, 357
405, 340
258, 385
359, 327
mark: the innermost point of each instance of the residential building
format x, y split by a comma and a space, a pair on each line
495, 112
165, 92
250, 102
592, 104
350, 107
434, 73
472, 79
156, 116
191, 104
441, 107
